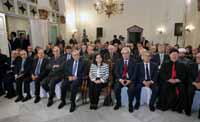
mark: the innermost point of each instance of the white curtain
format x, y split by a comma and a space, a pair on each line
39, 33
3, 35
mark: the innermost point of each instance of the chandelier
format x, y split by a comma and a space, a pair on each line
109, 7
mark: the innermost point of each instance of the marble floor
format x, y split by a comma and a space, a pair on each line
30, 112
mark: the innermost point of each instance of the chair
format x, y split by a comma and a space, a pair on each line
43, 93
144, 99
196, 101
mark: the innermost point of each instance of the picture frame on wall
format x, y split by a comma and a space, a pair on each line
21, 32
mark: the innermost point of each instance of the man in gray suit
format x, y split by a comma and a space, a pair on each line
56, 74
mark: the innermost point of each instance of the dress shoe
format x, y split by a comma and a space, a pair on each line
95, 107
1, 94
28, 97
72, 108
117, 106
130, 108
50, 103
92, 107
152, 108
137, 106
37, 100
62, 104
19, 99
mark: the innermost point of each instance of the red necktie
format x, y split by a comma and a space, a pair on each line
125, 70
173, 76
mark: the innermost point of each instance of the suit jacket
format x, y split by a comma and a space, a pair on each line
193, 74
25, 44
3, 63
119, 69
140, 73
15, 44
65, 56
43, 69
156, 58
56, 72
80, 70
166, 71
27, 67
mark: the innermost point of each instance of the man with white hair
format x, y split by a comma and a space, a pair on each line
124, 70
182, 56
56, 73
23, 76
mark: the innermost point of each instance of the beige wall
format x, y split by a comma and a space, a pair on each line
149, 14
15, 23
193, 17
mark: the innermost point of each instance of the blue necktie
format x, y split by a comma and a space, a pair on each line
74, 68
22, 66
37, 70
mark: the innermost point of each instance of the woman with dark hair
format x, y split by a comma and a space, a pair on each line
99, 72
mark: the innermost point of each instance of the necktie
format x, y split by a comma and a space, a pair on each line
74, 69
161, 58
22, 66
173, 75
147, 73
37, 70
125, 70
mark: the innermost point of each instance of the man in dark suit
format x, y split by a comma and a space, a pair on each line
30, 52
115, 40
72, 40
146, 75
39, 72
172, 77
68, 51
3, 63
124, 72
48, 51
23, 75
74, 73
10, 79
56, 74
24, 42
160, 57
194, 84
14, 41
60, 41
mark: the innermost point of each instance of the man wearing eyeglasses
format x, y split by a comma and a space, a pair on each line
23, 76
146, 75
124, 72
